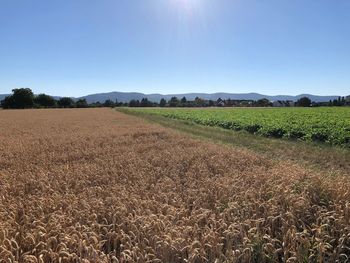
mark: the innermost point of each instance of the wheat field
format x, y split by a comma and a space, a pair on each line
95, 185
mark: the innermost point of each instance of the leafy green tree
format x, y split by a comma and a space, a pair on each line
134, 103
162, 102
66, 102
145, 103
183, 102
81, 103
199, 102
117, 103
98, 104
108, 103
44, 100
174, 102
304, 102
263, 103
8, 102
22, 98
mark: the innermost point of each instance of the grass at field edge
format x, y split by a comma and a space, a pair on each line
322, 157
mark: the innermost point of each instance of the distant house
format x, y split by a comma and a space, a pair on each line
220, 104
283, 103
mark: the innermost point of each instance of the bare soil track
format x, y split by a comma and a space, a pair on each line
94, 185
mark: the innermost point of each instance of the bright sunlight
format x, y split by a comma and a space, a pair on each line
187, 6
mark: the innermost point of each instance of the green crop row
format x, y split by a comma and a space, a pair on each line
329, 124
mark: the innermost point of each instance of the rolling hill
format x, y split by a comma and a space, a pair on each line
127, 96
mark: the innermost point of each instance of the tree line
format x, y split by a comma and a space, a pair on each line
341, 101
24, 98
198, 102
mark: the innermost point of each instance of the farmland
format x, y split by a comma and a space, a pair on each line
95, 185
329, 125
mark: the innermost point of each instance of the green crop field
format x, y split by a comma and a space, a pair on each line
327, 124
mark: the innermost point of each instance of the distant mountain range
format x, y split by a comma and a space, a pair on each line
127, 96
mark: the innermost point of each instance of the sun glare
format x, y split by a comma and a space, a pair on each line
186, 6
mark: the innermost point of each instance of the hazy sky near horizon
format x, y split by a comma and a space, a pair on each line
79, 47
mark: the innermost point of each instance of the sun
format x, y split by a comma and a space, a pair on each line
186, 6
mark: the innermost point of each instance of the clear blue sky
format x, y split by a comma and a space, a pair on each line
78, 47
